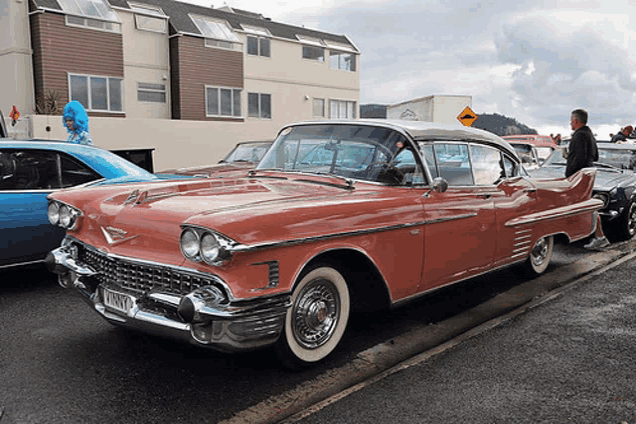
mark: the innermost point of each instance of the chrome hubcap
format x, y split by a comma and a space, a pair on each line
539, 252
315, 313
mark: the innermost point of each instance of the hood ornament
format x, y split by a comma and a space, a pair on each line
115, 235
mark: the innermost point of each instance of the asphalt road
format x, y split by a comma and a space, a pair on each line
571, 359
61, 363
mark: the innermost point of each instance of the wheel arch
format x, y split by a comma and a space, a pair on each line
367, 287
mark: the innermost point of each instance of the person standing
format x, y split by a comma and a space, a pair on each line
76, 121
582, 153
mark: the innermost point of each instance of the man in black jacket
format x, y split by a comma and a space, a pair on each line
582, 153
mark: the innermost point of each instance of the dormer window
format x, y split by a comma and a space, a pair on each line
258, 43
95, 14
217, 33
313, 48
150, 18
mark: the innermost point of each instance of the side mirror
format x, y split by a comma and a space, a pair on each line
439, 185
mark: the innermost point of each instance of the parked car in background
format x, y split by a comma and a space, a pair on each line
531, 155
544, 145
615, 184
338, 216
244, 156
29, 171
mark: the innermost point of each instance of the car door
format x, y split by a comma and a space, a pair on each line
460, 224
27, 176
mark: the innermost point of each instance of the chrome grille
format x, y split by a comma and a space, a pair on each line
141, 277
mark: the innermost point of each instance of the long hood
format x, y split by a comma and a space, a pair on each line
606, 179
250, 211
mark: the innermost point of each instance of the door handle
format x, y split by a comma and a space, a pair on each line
484, 196
530, 190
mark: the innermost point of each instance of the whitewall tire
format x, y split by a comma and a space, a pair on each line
317, 318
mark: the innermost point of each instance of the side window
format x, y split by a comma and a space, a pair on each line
487, 165
453, 163
408, 167
7, 171
28, 170
75, 173
429, 157
511, 167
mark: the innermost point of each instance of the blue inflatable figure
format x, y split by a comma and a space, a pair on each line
76, 121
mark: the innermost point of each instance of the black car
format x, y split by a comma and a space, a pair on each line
615, 184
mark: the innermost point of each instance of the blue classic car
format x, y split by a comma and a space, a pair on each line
29, 171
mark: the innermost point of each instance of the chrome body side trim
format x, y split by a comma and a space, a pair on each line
590, 205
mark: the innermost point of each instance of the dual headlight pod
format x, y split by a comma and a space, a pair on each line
62, 215
199, 244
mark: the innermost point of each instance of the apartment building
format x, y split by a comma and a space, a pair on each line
175, 77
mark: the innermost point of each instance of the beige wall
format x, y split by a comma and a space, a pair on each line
294, 82
146, 59
16, 70
177, 143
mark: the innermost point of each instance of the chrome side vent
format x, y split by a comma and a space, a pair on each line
522, 241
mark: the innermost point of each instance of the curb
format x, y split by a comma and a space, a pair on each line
424, 341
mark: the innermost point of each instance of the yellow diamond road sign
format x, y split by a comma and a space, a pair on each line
467, 117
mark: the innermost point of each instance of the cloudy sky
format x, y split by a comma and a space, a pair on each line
534, 61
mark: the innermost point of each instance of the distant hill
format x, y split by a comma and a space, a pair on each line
495, 123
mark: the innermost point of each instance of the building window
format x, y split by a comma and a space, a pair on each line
342, 109
102, 94
258, 41
95, 14
319, 108
222, 101
314, 53
148, 92
217, 33
258, 46
93, 24
149, 18
342, 60
259, 105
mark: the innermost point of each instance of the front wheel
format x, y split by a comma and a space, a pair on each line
540, 256
316, 320
627, 222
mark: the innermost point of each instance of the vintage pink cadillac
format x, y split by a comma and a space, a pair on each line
338, 216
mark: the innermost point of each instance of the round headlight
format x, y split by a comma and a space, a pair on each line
210, 248
190, 244
53, 212
66, 217
603, 197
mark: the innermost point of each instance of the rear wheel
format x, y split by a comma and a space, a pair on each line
540, 256
317, 318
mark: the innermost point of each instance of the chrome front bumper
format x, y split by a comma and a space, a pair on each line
203, 316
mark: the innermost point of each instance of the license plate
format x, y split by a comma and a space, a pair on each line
119, 301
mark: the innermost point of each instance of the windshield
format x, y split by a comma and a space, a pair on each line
248, 152
555, 159
352, 151
618, 158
